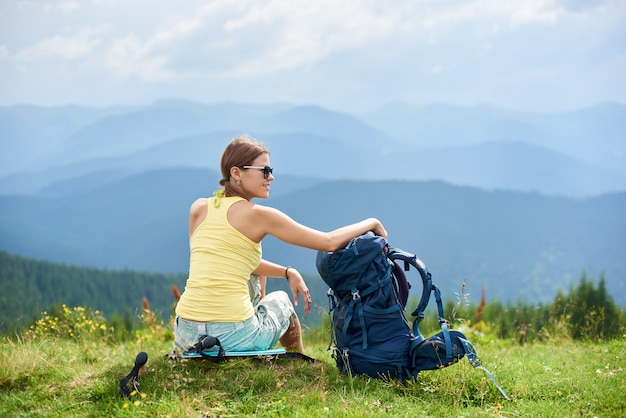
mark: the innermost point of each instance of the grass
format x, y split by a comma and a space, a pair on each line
47, 374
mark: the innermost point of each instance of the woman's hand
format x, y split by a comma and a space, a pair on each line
379, 229
299, 288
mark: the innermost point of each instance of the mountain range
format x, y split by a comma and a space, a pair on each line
580, 153
519, 204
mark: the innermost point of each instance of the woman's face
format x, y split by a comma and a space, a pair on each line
255, 180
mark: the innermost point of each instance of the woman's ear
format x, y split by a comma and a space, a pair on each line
235, 173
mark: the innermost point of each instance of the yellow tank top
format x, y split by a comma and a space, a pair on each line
221, 261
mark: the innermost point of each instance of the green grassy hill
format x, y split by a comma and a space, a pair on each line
47, 375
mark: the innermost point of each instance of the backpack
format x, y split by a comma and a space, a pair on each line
370, 333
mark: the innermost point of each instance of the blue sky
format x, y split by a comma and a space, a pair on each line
351, 55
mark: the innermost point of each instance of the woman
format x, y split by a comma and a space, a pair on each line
225, 234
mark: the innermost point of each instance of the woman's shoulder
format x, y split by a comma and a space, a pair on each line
242, 205
199, 203
265, 212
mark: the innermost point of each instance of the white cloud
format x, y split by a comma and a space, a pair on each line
299, 34
129, 57
65, 47
249, 40
63, 6
441, 68
307, 50
533, 11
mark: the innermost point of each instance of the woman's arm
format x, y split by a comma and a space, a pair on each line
263, 283
197, 213
276, 223
296, 282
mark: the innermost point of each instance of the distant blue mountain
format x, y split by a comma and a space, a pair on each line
595, 135
30, 134
518, 203
516, 245
507, 165
571, 154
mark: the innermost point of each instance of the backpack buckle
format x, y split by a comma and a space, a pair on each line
355, 295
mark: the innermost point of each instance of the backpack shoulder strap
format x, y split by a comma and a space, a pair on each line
427, 281
428, 288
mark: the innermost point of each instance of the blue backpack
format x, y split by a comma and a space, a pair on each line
370, 334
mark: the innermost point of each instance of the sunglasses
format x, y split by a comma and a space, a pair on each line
267, 170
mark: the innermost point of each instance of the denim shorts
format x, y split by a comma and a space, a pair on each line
272, 317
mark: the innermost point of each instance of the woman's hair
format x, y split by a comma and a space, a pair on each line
241, 151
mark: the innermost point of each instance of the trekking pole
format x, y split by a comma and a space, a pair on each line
140, 360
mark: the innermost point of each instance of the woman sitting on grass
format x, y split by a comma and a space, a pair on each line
225, 233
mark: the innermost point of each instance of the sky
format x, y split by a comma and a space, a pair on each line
351, 55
